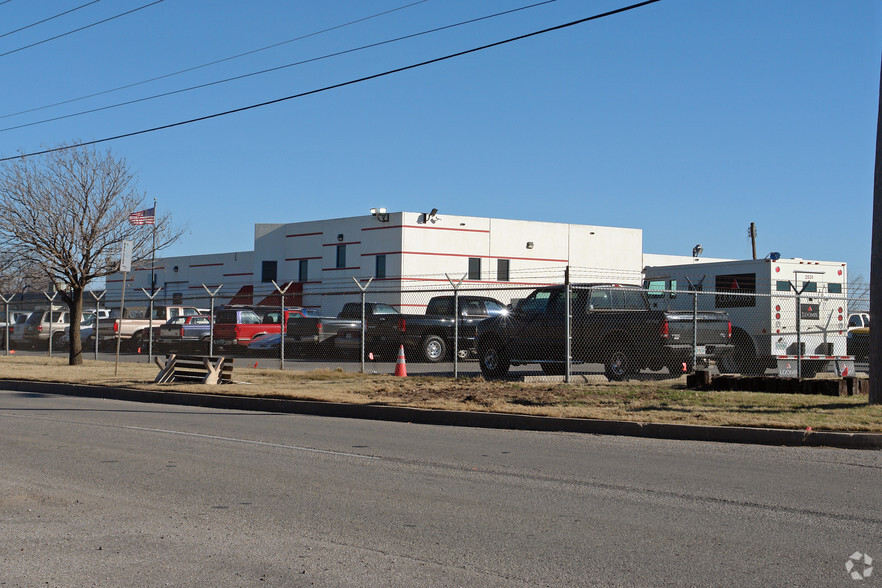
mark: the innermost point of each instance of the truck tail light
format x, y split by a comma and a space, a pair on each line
729, 330
116, 326
39, 328
402, 325
319, 328
665, 330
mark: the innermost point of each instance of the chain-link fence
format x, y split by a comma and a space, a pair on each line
554, 331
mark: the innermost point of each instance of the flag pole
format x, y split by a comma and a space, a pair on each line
153, 255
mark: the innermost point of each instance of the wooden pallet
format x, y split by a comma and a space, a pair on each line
196, 369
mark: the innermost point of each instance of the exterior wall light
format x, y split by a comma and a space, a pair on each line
381, 214
697, 250
529, 244
340, 237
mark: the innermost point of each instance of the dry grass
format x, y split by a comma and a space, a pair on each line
659, 402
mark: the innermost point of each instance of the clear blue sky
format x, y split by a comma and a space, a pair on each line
688, 119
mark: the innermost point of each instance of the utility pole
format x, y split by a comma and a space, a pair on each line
876, 264
751, 231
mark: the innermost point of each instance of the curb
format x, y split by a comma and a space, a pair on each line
488, 420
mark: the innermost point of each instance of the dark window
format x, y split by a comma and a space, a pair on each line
474, 268
502, 268
834, 288
380, 271
494, 308
535, 303
782, 286
735, 290
268, 271
341, 255
303, 275
809, 286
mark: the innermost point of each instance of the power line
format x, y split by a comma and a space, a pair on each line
269, 70
336, 86
230, 58
39, 22
88, 26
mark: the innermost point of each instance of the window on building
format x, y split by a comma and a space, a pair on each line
834, 288
474, 268
809, 286
502, 269
268, 271
380, 270
303, 272
341, 255
782, 286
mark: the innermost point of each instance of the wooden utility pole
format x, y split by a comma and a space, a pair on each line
876, 264
752, 232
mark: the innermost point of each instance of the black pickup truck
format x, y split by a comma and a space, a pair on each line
430, 336
611, 324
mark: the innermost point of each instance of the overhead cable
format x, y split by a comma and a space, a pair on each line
39, 22
83, 28
335, 86
215, 62
269, 70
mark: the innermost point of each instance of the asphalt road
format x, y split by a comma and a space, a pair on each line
110, 493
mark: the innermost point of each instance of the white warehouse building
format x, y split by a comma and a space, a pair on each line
401, 251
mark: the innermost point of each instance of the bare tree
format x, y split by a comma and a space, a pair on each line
64, 214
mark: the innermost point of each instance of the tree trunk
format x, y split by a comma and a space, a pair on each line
75, 304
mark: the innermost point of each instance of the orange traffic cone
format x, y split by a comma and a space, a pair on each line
401, 365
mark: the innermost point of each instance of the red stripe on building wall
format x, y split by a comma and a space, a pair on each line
304, 234
242, 274
147, 269
334, 269
206, 264
462, 255
426, 228
341, 243
300, 258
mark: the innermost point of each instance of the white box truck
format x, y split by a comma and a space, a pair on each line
787, 314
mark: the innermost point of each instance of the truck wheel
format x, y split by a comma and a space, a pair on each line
494, 363
742, 360
619, 362
434, 348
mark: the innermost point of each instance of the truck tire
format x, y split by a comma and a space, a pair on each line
742, 360
433, 348
619, 360
494, 362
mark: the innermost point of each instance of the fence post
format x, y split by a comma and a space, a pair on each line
694, 288
456, 323
97, 317
798, 329
6, 302
211, 296
54, 294
282, 321
568, 327
363, 322
150, 324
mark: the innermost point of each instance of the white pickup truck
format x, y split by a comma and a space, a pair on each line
133, 323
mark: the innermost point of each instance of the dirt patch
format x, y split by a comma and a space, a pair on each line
659, 402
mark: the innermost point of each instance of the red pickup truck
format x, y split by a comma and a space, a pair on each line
236, 327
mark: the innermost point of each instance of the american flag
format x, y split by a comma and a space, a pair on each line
143, 217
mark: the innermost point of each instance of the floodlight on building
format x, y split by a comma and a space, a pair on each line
380, 214
340, 237
697, 250
529, 244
